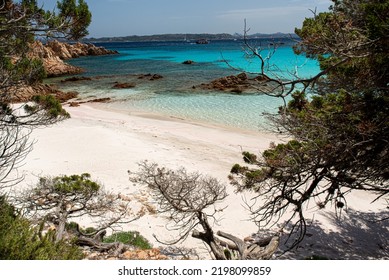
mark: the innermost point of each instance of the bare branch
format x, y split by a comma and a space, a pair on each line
186, 199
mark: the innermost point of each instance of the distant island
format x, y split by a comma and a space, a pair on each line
190, 37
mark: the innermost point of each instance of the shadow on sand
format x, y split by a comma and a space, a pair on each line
353, 236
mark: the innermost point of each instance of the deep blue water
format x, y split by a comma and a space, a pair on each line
173, 94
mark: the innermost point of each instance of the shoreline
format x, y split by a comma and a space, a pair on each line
107, 143
163, 116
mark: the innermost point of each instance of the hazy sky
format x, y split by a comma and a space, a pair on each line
145, 17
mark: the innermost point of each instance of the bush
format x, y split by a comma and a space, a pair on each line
19, 240
249, 157
133, 238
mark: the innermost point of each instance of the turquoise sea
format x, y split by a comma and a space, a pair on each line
173, 95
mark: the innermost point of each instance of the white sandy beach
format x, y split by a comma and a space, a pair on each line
106, 144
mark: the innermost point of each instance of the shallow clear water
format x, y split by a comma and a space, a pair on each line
173, 95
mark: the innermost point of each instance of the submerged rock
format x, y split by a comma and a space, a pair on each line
231, 83
76, 79
188, 62
240, 83
150, 77
123, 85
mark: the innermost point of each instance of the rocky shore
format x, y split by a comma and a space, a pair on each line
54, 53
240, 83
24, 93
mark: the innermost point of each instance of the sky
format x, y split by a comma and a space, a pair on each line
112, 18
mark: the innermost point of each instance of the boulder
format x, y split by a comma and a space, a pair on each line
60, 49
56, 67
52, 61
26, 92
231, 83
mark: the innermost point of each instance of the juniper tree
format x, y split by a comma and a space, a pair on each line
62, 201
337, 121
21, 240
21, 22
191, 203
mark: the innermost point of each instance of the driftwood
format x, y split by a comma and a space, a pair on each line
116, 248
95, 242
262, 249
96, 245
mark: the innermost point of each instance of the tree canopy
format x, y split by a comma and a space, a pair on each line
190, 201
337, 121
60, 199
21, 22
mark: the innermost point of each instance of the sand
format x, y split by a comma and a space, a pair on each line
107, 144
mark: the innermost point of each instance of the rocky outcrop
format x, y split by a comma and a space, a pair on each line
52, 56
68, 51
230, 83
25, 93
54, 52
237, 84
52, 63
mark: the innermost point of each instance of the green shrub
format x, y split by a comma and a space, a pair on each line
249, 157
133, 238
19, 240
236, 169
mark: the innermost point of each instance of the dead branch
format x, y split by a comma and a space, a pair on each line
185, 198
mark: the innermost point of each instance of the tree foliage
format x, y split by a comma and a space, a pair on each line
59, 200
337, 122
21, 22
